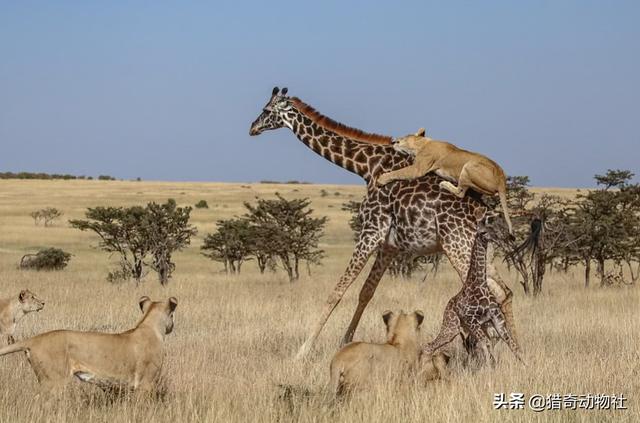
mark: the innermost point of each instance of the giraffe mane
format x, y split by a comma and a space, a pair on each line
337, 127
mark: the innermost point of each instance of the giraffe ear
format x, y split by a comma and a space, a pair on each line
421, 132
275, 91
285, 90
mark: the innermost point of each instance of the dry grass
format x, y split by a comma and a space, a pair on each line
235, 336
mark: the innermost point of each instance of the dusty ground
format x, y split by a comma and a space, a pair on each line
235, 336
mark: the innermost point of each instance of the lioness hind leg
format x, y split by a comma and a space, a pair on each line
480, 177
465, 181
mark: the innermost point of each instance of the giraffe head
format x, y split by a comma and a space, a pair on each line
272, 116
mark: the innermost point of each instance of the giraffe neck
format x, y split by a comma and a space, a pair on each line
364, 159
478, 263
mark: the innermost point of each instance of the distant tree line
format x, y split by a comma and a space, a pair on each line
273, 232
292, 182
41, 175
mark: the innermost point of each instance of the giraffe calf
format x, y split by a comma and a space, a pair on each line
361, 362
475, 311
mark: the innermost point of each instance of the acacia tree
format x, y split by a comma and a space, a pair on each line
230, 244
168, 230
121, 231
606, 224
550, 220
288, 231
543, 223
628, 251
47, 215
136, 232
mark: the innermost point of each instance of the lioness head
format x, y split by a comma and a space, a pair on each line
410, 143
29, 302
402, 326
161, 310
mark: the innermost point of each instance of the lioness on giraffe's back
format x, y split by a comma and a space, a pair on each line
131, 359
469, 169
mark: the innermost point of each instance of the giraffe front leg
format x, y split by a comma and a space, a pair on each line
369, 241
384, 257
448, 331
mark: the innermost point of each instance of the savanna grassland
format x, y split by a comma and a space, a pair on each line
235, 336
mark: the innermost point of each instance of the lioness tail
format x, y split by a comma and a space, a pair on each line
502, 193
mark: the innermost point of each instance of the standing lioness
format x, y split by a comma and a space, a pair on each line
15, 308
131, 359
468, 169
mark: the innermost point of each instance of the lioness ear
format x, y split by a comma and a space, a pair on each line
386, 317
421, 132
419, 317
22, 296
144, 303
173, 303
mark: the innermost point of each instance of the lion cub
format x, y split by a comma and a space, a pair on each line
131, 359
13, 309
359, 362
471, 170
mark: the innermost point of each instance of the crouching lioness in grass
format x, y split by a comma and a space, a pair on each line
15, 308
359, 363
127, 360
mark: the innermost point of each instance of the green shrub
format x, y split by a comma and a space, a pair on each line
202, 204
46, 259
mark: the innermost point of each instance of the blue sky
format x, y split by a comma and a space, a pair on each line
549, 89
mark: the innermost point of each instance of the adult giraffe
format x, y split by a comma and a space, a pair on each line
410, 216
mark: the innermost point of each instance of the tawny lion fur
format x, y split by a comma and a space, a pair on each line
359, 362
13, 309
131, 359
470, 170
